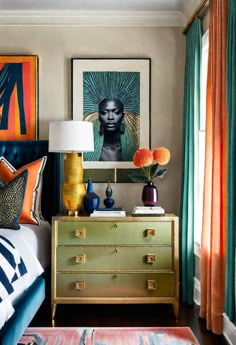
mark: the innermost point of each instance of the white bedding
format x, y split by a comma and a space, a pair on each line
33, 245
37, 238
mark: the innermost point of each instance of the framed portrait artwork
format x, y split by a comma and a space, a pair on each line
18, 97
114, 94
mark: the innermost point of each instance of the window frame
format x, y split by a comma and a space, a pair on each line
201, 149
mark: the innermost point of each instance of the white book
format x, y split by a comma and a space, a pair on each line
108, 214
148, 210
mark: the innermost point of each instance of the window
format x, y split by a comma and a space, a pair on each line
201, 138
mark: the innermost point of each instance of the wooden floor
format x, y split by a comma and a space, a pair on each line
127, 316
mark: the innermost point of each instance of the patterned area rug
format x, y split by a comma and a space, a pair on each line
109, 336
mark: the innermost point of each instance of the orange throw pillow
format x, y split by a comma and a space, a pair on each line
30, 210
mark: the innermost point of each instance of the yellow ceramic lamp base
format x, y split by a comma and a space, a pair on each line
74, 190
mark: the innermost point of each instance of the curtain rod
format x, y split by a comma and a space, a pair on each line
194, 15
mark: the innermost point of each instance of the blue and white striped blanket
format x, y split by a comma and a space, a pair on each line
19, 264
12, 267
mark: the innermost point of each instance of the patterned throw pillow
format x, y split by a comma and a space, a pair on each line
30, 211
11, 201
2, 183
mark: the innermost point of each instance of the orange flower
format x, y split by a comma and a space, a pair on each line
143, 157
161, 155
149, 161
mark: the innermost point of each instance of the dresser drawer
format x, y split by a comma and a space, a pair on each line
114, 232
115, 285
83, 258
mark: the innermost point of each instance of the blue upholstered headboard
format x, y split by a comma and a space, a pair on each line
19, 153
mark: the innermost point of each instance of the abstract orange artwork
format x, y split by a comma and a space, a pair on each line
18, 97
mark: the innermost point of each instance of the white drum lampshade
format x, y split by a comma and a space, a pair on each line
71, 136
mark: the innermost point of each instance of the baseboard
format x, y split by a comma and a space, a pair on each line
229, 329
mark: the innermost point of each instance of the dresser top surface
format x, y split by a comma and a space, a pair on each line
167, 217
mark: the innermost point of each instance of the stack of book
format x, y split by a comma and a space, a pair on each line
108, 212
151, 211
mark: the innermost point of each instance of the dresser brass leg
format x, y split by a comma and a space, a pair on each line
54, 307
176, 309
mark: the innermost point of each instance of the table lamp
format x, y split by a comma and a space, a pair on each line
72, 138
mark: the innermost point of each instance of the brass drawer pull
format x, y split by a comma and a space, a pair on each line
150, 232
116, 251
115, 276
151, 285
80, 259
115, 226
80, 285
150, 259
80, 233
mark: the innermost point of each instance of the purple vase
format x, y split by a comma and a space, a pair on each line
150, 195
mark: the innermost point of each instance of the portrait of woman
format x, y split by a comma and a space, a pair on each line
112, 103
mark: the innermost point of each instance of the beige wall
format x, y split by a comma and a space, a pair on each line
56, 45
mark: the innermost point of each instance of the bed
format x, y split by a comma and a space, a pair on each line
25, 247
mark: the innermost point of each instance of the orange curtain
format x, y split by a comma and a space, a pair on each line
215, 183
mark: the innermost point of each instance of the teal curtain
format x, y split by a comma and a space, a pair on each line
231, 216
191, 120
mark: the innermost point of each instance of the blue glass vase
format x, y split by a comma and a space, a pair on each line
91, 199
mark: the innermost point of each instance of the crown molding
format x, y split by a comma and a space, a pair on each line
92, 18
188, 8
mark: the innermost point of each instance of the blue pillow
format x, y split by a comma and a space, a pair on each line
11, 201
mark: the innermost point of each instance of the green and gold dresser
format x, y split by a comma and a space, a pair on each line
115, 260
